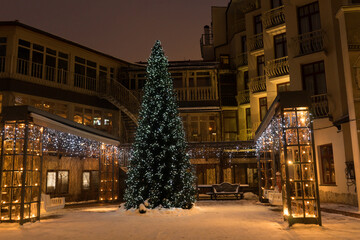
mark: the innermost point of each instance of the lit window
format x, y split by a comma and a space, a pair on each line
86, 181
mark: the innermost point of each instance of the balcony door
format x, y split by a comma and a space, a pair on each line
314, 80
309, 18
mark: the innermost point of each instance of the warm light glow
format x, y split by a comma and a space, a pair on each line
290, 162
286, 212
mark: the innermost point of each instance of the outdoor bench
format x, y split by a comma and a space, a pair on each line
226, 189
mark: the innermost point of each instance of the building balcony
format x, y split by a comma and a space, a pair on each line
246, 134
197, 94
256, 42
258, 84
320, 106
310, 42
277, 67
243, 97
274, 17
241, 60
13, 68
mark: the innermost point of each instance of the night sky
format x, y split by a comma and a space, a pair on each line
126, 29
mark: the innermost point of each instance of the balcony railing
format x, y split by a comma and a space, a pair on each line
243, 97
320, 105
277, 67
242, 59
274, 17
25, 70
258, 84
256, 42
246, 134
196, 94
310, 42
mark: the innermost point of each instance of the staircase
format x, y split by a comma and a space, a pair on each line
122, 98
129, 127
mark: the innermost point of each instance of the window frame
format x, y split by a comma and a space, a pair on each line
280, 40
56, 192
332, 167
262, 105
314, 74
308, 16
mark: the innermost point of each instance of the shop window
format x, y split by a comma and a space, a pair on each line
327, 164
78, 115
57, 182
262, 107
313, 76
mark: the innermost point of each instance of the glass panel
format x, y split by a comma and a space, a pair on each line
63, 181
86, 181
291, 136
51, 182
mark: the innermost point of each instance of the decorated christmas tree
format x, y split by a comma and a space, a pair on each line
160, 171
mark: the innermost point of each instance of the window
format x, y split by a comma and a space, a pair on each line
37, 61
313, 76
85, 74
262, 107
90, 181
50, 64
86, 181
230, 125
309, 18
260, 62
57, 182
2, 53
258, 24
224, 60
246, 80
248, 118
280, 46
327, 164
283, 87
23, 57
201, 128
243, 44
276, 3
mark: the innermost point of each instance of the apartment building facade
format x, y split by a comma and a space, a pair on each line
274, 46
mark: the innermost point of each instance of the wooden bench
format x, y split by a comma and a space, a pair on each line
227, 189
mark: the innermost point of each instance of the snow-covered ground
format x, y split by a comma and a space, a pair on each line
241, 219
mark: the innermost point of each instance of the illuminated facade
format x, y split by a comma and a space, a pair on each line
272, 46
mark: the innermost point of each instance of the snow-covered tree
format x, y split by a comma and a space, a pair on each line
160, 169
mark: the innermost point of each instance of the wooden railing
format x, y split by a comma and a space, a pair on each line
310, 42
277, 67
274, 17
246, 134
258, 84
109, 89
242, 59
256, 42
121, 97
243, 97
320, 105
196, 94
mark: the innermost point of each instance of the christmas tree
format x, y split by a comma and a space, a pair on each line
160, 170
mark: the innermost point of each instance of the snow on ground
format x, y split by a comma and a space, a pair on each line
240, 219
